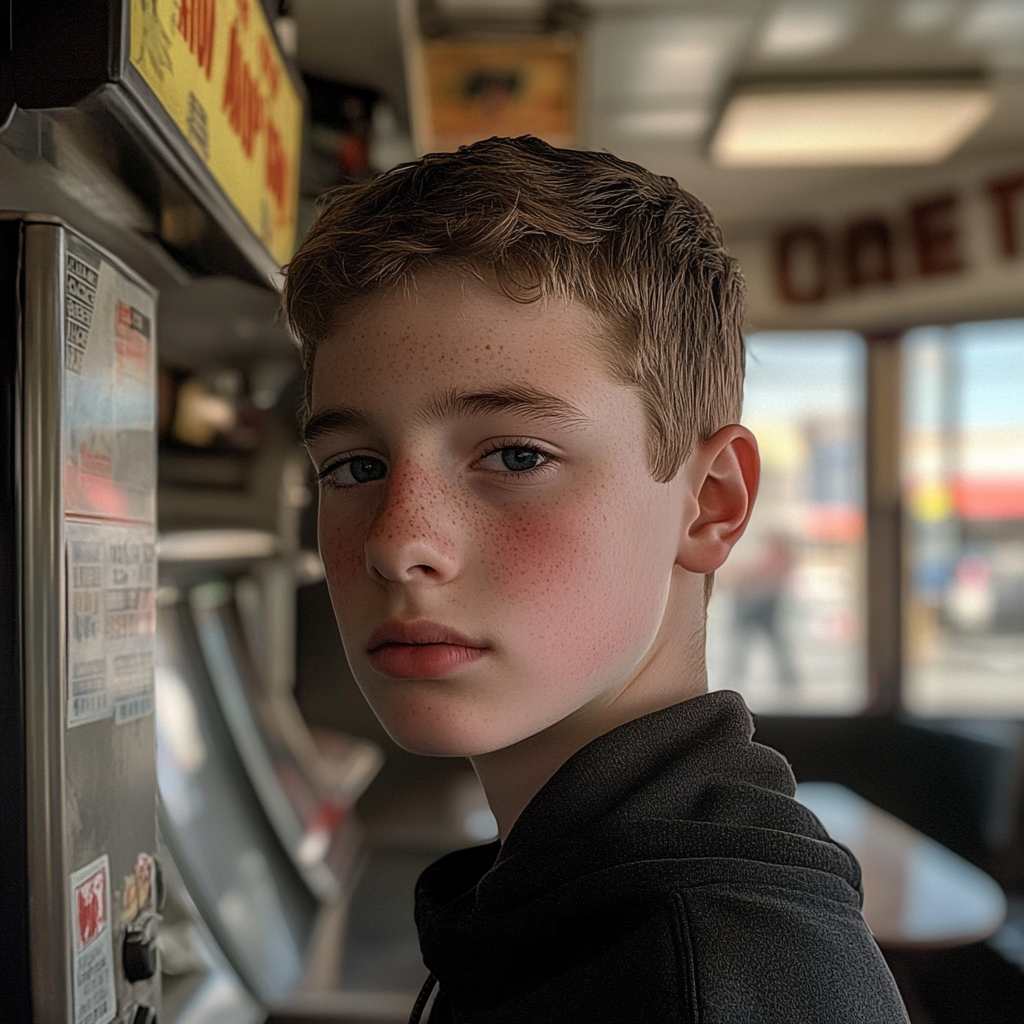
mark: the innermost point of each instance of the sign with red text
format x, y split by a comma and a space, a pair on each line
936, 246
215, 68
95, 997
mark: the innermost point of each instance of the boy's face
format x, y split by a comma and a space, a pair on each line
498, 554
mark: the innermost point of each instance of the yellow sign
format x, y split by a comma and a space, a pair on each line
216, 69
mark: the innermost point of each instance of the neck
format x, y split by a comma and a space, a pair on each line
673, 670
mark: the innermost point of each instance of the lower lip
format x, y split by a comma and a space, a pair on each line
422, 661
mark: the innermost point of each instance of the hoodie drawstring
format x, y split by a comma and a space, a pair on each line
421, 999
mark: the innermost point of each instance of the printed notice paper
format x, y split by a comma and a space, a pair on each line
111, 621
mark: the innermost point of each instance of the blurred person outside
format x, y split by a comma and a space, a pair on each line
758, 587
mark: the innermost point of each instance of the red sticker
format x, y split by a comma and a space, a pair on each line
95, 990
91, 904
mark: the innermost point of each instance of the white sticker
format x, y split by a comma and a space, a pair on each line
93, 967
111, 621
109, 390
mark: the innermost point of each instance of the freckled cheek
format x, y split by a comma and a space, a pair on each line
569, 582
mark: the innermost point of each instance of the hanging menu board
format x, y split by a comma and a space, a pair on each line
215, 68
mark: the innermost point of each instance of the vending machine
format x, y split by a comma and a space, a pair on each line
81, 881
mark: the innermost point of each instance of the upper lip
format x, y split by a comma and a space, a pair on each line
420, 631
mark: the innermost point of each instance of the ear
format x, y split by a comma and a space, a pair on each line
721, 477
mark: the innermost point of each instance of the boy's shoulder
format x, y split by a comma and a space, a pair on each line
665, 873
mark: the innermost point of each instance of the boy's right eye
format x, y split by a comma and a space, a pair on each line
360, 469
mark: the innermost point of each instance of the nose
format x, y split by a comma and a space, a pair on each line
411, 537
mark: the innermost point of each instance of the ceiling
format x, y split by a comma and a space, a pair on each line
657, 73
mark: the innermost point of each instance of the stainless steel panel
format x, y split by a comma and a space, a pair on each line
307, 796
42, 544
199, 984
259, 910
91, 778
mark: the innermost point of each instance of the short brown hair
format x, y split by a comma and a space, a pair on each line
631, 246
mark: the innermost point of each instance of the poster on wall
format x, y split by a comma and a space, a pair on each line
478, 88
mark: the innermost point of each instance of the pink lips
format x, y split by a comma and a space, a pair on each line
420, 649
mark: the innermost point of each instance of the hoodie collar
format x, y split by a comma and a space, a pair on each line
650, 803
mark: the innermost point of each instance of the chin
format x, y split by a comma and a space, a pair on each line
436, 734
438, 742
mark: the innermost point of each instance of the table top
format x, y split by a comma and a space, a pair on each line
917, 894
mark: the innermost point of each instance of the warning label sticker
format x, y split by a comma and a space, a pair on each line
93, 953
111, 574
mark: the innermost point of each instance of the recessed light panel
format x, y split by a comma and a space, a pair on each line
848, 126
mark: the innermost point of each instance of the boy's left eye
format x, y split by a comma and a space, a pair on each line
361, 469
514, 459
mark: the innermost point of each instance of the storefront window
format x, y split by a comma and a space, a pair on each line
963, 463
786, 622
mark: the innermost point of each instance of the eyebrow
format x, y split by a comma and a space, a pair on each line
532, 403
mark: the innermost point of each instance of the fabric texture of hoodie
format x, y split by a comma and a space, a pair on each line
663, 875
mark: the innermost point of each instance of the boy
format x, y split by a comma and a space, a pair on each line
524, 374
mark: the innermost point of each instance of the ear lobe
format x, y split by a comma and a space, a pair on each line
723, 476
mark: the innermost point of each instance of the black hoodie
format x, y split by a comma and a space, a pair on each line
663, 874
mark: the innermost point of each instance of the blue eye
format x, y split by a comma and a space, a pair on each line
362, 469
519, 459
514, 458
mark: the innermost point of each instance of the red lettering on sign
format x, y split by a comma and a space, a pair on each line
269, 67
128, 342
871, 248
801, 264
277, 168
868, 253
1004, 193
242, 100
936, 238
197, 20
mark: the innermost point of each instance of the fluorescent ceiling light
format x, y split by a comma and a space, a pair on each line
805, 28
663, 124
848, 126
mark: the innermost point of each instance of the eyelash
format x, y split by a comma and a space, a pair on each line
324, 476
520, 445
517, 444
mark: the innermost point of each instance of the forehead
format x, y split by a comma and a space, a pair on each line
445, 329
